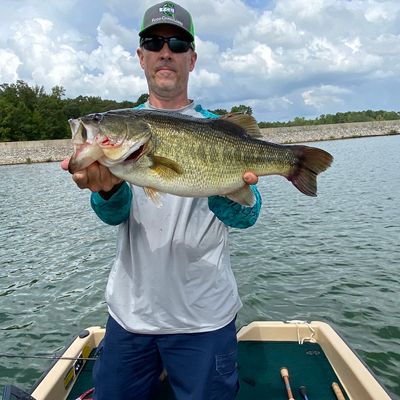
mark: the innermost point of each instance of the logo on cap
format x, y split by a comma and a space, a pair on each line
168, 9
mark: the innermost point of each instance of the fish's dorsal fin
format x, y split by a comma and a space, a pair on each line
153, 195
243, 196
245, 121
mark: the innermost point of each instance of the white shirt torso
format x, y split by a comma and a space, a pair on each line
172, 272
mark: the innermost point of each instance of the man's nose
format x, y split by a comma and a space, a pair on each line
165, 51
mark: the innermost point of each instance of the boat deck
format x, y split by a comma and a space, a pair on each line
259, 366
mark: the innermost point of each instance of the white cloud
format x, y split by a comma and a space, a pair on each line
205, 79
353, 44
320, 96
387, 44
219, 19
377, 13
290, 58
43, 55
261, 59
303, 9
9, 63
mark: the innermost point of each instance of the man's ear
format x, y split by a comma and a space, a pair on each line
193, 59
140, 54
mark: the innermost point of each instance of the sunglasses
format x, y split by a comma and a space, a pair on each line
175, 44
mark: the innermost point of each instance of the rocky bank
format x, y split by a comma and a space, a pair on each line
57, 150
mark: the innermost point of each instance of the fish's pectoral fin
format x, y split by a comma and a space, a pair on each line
166, 168
245, 121
154, 196
243, 196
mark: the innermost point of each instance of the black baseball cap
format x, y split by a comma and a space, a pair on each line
168, 13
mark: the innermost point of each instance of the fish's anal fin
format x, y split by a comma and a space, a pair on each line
245, 121
243, 196
154, 196
166, 168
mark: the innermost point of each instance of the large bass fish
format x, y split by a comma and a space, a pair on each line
193, 157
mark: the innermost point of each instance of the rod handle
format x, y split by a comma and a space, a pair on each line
285, 377
338, 392
303, 392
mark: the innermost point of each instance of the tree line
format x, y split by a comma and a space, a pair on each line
29, 113
338, 118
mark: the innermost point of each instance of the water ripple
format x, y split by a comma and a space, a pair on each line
333, 258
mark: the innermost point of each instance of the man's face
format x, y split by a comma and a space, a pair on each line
167, 72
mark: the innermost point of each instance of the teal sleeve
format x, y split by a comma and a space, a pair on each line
116, 209
234, 214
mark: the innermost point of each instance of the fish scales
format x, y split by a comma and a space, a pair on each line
221, 157
187, 156
216, 147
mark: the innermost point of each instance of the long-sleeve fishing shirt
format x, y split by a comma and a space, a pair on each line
172, 272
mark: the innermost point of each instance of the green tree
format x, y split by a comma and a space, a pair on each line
142, 99
219, 111
242, 109
49, 117
17, 102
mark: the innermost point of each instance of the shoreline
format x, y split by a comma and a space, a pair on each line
12, 153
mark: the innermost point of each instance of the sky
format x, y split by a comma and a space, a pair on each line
283, 58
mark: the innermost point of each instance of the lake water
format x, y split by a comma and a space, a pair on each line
333, 258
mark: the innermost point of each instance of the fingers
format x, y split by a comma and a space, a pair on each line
96, 178
107, 179
64, 163
250, 178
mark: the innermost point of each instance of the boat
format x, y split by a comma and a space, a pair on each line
276, 360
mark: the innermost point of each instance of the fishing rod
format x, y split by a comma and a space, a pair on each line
47, 357
285, 377
303, 392
338, 392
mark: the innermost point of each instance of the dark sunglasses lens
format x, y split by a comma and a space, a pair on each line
176, 45
153, 44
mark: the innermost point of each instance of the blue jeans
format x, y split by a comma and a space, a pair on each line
200, 366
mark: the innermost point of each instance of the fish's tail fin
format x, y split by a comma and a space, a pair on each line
311, 161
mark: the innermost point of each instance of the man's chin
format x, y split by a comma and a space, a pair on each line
166, 84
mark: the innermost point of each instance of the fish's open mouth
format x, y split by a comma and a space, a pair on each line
136, 154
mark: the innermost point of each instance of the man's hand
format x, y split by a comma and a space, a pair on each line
250, 178
95, 177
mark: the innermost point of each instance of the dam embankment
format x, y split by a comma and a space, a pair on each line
57, 150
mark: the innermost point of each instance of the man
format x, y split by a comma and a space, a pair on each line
171, 294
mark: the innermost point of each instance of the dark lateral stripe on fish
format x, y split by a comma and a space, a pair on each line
311, 161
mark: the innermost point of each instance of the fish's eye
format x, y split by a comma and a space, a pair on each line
97, 117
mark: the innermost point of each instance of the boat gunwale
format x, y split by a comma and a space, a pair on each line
42, 389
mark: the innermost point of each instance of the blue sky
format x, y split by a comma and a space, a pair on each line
284, 58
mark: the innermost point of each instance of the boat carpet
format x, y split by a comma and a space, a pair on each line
259, 366
260, 363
